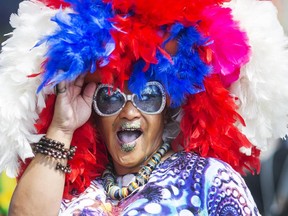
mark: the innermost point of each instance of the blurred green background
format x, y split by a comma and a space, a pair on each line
7, 186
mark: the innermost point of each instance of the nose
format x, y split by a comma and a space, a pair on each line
129, 112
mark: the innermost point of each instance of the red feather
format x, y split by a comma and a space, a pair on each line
55, 3
212, 132
142, 34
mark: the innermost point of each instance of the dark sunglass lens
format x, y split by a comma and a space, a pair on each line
109, 101
150, 100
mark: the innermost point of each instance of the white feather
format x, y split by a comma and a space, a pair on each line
19, 103
262, 88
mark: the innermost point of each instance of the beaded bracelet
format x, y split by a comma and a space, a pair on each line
65, 169
55, 149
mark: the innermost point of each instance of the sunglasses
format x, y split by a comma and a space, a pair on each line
108, 101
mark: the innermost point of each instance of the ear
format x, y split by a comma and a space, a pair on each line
171, 113
164, 113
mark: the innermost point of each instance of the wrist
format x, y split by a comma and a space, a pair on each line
60, 136
55, 149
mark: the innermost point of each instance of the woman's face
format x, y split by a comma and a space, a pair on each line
131, 129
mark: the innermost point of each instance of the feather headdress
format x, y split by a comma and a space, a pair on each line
227, 75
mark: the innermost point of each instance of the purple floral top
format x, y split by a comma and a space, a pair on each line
184, 184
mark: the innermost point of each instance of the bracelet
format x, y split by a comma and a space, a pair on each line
65, 169
55, 149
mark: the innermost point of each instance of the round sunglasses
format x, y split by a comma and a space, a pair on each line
109, 101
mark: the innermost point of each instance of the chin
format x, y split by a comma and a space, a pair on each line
130, 159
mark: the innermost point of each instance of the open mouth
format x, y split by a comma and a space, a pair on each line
128, 135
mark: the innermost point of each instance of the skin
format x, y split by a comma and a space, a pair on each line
147, 144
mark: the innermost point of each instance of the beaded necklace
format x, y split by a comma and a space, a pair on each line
117, 193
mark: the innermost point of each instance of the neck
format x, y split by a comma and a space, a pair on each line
119, 171
142, 177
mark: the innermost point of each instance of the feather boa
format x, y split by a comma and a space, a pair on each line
19, 105
55, 3
185, 76
208, 127
93, 38
132, 47
81, 39
229, 46
262, 87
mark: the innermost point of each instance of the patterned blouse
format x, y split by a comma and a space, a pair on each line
184, 184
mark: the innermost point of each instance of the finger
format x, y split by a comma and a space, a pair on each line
60, 88
89, 92
79, 81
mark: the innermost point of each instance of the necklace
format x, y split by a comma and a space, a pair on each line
117, 193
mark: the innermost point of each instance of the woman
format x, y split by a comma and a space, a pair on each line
132, 138
142, 90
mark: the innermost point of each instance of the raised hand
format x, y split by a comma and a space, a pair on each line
72, 108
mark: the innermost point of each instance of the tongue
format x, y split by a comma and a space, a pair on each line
128, 136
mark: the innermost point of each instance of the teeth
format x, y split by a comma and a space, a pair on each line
129, 132
135, 125
130, 129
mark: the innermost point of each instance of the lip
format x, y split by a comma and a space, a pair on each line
135, 125
128, 147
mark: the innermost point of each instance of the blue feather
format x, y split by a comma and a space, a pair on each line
138, 78
184, 76
82, 39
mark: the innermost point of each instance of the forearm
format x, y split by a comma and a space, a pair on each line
40, 189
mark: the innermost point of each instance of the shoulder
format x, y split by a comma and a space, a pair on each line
189, 161
213, 182
207, 166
